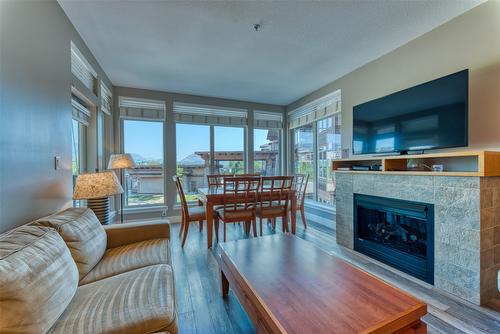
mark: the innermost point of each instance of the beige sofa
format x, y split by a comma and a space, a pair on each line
66, 273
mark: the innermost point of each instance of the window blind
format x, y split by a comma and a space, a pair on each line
81, 68
145, 109
267, 120
206, 114
106, 99
316, 110
80, 112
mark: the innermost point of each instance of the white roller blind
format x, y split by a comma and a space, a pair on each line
267, 120
206, 114
316, 110
80, 112
81, 68
136, 108
106, 99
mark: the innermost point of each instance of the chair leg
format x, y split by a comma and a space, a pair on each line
201, 224
216, 226
254, 224
303, 216
224, 232
182, 225
285, 221
260, 223
186, 229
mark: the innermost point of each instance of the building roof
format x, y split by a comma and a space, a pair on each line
192, 160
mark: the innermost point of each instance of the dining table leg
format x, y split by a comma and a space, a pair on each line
294, 213
210, 222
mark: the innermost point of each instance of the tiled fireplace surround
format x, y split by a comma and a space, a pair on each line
467, 224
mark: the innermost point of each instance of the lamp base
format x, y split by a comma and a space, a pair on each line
101, 206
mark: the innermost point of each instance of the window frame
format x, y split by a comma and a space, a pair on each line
280, 164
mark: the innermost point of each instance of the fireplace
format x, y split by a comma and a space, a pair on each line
396, 232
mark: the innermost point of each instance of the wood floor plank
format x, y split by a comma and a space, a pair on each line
201, 309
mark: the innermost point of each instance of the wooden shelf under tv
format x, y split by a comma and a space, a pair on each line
463, 163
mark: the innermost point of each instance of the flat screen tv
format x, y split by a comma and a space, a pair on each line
428, 116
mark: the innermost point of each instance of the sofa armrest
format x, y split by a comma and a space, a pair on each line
123, 234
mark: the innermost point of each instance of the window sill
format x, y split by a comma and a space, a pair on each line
139, 209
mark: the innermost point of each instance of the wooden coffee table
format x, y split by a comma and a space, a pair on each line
287, 285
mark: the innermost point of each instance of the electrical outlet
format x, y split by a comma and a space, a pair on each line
57, 162
164, 213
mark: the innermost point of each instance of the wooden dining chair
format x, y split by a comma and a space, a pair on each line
216, 180
188, 214
274, 200
239, 203
246, 175
300, 185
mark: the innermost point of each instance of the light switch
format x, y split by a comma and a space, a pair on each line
57, 162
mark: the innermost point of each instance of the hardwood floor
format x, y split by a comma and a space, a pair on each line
201, 309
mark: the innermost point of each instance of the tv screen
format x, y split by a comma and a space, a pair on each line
428, 116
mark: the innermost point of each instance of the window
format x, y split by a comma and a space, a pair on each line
328, 139
81, 69
144, 185
267, 144
303, 155
229, 150
193, 157
316, 142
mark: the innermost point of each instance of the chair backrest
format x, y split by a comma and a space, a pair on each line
275, 190
180, 190
240, 194
216, 180
300, 185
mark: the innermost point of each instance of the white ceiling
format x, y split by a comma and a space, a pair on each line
210, 48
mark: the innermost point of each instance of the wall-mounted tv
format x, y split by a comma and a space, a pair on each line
428, 116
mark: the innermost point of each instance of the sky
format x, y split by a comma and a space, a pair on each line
145, 138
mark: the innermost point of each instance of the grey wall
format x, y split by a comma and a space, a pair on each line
471, 40
35, 113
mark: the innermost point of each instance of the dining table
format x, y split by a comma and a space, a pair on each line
213, 196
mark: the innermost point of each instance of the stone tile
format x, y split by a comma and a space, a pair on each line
420, 180
496, 238
496, 255
459, 276
362, 186
460, 237
487, 238
496, 221
487, 218
345, 205
444, 284
446, 253
457, 181
343, 183
496, 197
417, 193
457, 197
486, 198
490, 182
487, 259
343, 223
464, 217
390, 190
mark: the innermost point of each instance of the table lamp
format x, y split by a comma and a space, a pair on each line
96, 189
121, 162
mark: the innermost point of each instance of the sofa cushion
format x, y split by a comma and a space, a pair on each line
82, 232
129, 257
138, 301
38, 279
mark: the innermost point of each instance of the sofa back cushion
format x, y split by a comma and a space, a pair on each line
38, 279
83, 234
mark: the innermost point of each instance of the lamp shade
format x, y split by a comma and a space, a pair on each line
120, 161
96, 185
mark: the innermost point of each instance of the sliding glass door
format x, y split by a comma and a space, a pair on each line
315, 146
304, 157
266, 159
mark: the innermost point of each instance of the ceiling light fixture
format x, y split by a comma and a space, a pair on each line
257, 26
